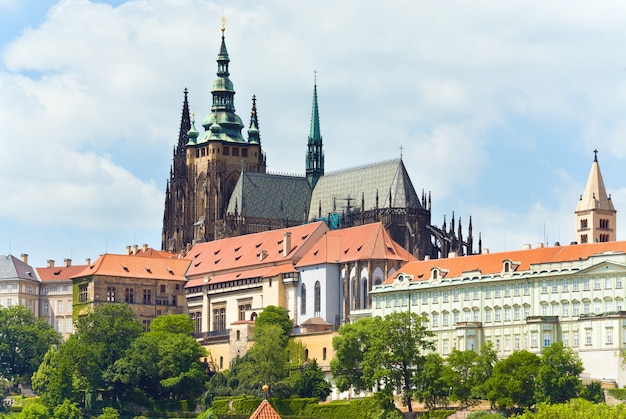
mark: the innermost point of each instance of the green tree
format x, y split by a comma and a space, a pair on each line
54, 380
394, 349
350, 345
312, 383
432, 386
109, 413
268, 355
461, 376
275, 315
593, 392
35, 411
102, 337
67, 410
576, 408
163, 363
557, 380
174, 323
512, 384
24, 340
484, 369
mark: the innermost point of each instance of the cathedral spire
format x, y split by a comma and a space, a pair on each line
315, 153
595, 214
253, 132
185, 126
223, 107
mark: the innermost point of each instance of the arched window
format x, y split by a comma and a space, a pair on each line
324, 354
355, 294
367, 303
303, 299
318, 299
306, 354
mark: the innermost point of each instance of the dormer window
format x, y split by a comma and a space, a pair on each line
507, 266
435, 274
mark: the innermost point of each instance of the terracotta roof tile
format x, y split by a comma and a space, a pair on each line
137, 267
494, 262
366, 242
59, 273
265, 411
242, 252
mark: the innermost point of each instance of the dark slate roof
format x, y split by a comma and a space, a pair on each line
366, 182
263, 195
13, 268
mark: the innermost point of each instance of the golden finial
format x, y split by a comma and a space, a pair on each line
223, 23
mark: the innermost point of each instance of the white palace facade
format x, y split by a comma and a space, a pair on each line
528, 299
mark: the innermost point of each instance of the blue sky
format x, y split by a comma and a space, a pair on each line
497, 106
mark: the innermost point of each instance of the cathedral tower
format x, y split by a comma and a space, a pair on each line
595, 214
314, 154
206, 166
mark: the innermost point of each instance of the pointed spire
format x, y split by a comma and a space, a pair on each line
315, 153
253, 132
595, 197
185, 126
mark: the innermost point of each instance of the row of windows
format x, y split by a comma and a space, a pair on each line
317, 299
129, 295
227, 151
46, 307
58, 325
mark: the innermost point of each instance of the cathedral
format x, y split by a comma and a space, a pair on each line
218, 186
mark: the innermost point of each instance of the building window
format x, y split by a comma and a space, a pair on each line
30, 289
162, 288
526, 288
487, 316
238, 334
488, 292
129, 295
497, 292
221, 362
507, 314
306, 354
244, 152
497, 312
575, 285
219, 318
235, 151
547, 339
46, 307
565, 285
302, 299
475, 293
608, 304
59, 307
583, 224
226, 151
618, 305
242, 310
466, 315
466, 294
317, 297
435, 320
516, 292
609, 336
445, 296
555, 286
586, 307
446, 318
82, 293
566, 339
555, 309
46, 290
507, 343
597, 284
455, 318
585, 285
476, 315
516, 343
424, 297
58, 326
618, 282
575, 340
587, 337
69, 326
445, 347
147, 296
544, 309
324, 354
565, 309
507, 290
146, 325
583, 238
456, 294
533, 340
526, 311
544, 287
111, 294
516, 313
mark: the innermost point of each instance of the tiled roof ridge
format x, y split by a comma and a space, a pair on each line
275, 174
363, 166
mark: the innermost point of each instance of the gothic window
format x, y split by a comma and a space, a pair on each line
366, 299
219, 318
583, 238
583, 224
318, 299
303, 299
355, 294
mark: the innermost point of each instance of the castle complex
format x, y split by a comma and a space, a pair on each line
219, 187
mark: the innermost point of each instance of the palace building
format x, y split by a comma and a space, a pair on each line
218, 186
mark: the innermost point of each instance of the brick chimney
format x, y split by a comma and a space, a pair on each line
67, 262
24, 257
88, 261
50, 263
286, 243
128, 250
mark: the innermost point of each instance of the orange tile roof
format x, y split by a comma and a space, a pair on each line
492, 263
242, 252
59, 273
366, 242
137, 267
265, 411
262, 272
153, 253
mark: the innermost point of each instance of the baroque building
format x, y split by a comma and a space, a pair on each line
218, 186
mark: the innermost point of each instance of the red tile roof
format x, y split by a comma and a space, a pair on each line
242, 252
265, 411
137, 267
59, 273
494, 262
153, 253
366, 242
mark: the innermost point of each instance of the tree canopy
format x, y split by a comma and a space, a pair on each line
557, 378
512, 385
24, 340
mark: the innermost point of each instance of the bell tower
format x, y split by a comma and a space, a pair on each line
596, 217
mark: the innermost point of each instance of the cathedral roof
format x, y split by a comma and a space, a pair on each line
492, 263
595, 196
261, 195
373, 183
366, 242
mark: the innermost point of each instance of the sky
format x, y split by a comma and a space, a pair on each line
495, 106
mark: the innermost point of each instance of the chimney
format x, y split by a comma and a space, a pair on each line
539, 245
88, 261
145, 247
25, 258
50, 263
67, 262
286, 243
485, 251
135, 249
427, 257
451, 255
527, 246
262, 254
128, 250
